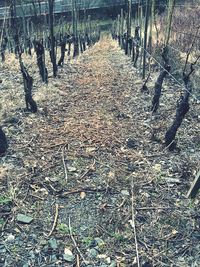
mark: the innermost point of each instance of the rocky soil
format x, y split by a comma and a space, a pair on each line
87, 180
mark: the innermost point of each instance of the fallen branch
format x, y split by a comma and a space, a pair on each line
64, 164
75, 244
55, 221
91, 168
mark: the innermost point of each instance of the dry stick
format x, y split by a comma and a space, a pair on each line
55, 222
74, 241
77, 261
134, 227
87, 171
154, 208
64, 164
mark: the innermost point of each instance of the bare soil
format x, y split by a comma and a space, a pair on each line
94, 156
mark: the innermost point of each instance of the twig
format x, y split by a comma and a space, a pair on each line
77, 261
55, 221
4, 225
153, 208
74, 241
32, 195
91, 168
64, 164
88, 190
134, 227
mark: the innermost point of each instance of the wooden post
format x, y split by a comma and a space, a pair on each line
145, 37
118, 29
128, 33
122, 27
52, 37
151, 27
194, 187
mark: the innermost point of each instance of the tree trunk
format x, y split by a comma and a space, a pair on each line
39, 48
182, 109
3, 142
28, 85
52, 38
159, 82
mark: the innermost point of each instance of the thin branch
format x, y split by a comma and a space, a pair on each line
55, 221
64, 164
74, 241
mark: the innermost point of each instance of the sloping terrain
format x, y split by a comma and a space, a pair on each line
92, 172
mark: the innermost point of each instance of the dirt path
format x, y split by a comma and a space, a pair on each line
96, 152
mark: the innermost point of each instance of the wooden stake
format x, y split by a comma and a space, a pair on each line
194, 187
145, 37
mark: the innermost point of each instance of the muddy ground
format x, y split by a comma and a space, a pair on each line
90, 169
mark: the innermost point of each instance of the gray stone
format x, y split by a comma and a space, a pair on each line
24, 218
113, 264
92, 253
71, 169
69, 258
53, 243
10, 238
125, 192
99, 242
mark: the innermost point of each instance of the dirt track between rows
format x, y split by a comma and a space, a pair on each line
75, 154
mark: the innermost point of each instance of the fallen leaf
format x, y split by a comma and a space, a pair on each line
82, 195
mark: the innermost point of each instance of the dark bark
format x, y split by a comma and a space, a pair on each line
133, 51
39, 48
63, 49
3, 142
17, 46
136, 46
3, 48
182, 109
144, 87
84, 43
76, 47
28, 85
70, 42
52, 38
81, 39
88, 40
159, 82
29, 45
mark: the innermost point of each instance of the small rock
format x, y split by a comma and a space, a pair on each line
54, 257
99, 242
32, 254
172, 180
10, 238
12, 120
43, 242
125, 192
92, 253
68, 255
69, 258
71, 169
24, 218
53, 243
131, 143
113, 264
131, 167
